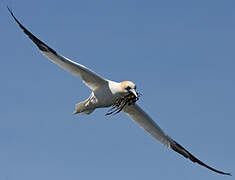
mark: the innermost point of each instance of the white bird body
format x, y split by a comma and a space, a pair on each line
104, 94
101, 97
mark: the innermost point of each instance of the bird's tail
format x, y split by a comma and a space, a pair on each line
82, 108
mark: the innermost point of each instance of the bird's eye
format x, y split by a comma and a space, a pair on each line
128, 88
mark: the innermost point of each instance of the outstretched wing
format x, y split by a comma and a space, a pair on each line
90, 78
143, 120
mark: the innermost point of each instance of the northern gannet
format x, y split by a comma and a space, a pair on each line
105, 93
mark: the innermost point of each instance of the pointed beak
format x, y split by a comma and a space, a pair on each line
134, 92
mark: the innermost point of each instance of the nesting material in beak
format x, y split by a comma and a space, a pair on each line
134, 92
120, 103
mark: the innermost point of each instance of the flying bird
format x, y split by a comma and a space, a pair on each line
120, 96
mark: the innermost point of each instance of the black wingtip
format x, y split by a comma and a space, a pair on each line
41, 45
11, 12
9, 9
181, 150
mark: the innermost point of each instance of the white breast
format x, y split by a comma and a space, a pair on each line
108, 94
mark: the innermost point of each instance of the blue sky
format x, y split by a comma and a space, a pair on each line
179, 53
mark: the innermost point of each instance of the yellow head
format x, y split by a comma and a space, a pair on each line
128, 86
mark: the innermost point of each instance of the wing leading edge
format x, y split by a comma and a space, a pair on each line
143, 120
90, 78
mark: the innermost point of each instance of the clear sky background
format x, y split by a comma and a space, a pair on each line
179, 53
